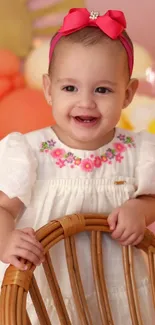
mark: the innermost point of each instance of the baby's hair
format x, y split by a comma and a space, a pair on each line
88, 36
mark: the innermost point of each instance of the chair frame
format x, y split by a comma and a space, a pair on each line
17, 284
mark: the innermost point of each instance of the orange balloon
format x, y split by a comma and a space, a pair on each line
5, 86
18, 81
24, 110
9, 63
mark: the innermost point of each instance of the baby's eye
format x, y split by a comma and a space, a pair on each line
103, 90
70, 88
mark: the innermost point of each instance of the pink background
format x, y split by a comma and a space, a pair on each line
140, 16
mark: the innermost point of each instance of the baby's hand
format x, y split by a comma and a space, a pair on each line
21, 244
128, 223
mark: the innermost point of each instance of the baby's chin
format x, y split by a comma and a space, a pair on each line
83, 135
85, 141
93, 138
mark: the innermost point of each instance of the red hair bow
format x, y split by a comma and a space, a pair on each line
112, 23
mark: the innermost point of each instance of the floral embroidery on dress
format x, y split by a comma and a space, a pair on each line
64, 158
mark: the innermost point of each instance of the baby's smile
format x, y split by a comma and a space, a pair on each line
85, 120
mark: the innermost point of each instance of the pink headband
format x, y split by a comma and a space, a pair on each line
113, 23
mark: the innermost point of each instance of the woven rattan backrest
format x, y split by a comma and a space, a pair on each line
16, 284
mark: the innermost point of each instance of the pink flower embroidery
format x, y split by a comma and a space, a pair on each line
97, 162
119, 158
57, 153
120, 147
60, 163
87, 165
115, 153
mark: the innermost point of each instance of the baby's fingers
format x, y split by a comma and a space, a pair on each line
138, 240
17, 263
118, 232
133, 239
29, 256
113, 218
32, 240
29, 231
32, 249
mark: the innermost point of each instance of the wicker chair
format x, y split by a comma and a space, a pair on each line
17, 284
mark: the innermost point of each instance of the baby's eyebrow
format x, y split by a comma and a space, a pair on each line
107, 82
66, 80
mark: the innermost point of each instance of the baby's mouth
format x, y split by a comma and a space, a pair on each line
86, 119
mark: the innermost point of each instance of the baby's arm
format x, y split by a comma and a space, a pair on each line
16, 243
129, 221
148, 202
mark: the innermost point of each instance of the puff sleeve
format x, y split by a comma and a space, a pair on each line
145, 164
18, 167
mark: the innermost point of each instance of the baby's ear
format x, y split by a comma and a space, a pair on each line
47, 88
130, 91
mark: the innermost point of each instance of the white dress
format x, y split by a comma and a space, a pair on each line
54, 180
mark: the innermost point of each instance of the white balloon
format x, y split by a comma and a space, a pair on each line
142, 61
36, 65
140, 112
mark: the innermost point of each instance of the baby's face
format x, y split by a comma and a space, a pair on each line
88, 88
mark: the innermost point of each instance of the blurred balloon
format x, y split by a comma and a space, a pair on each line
9, 63
146, 88
5, 86
10, 75
151, 126
143, 60
24, 110
124, 122
141, 112
36, 65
